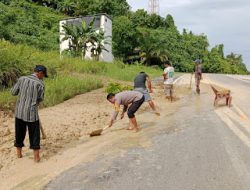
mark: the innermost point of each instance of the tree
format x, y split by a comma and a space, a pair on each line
66, 6
169, 22
139, 18
124, 37
79, 36
113, 7
150, 45
100, 40
155, 21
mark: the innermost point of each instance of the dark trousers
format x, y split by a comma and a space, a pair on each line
34, 133
134, 107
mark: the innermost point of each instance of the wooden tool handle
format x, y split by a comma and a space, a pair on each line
105, 128
42, 130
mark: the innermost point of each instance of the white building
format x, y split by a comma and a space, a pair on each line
102, 21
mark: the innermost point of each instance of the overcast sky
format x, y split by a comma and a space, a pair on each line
223, 21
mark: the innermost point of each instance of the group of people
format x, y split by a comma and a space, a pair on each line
132, 100
30, 91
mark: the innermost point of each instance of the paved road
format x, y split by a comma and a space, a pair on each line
197, 148
240, 89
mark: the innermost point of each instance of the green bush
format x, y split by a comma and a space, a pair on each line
6, 100
117, 87
22, 22
18, 60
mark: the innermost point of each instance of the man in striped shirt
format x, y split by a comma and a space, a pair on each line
30, 92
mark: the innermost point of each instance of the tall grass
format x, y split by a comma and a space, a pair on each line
6, 100
58, 89
62, 88
17, 60
116, 70
124, 72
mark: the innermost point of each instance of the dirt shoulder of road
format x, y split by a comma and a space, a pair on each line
67, 126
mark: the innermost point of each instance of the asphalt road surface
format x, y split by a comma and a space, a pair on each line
197, 147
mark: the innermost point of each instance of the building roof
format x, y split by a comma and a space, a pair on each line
84, 16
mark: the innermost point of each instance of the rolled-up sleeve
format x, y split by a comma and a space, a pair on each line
117, 109
115, 114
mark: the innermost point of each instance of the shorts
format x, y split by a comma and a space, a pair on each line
145, 92
134, 107
20, 133
169, 90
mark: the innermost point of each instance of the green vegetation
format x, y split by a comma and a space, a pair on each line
80, 36
68, 77
26, 23
29, 33
117, 87
64, 87
137, 36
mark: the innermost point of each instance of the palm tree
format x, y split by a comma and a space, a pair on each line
79, 36
151, 47
72, 34
87, 33
100, 40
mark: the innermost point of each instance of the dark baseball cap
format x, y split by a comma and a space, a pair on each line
197, 61
41, 68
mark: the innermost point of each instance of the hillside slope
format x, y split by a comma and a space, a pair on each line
27, 23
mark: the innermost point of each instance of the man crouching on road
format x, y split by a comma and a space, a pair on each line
30, 91
126, 98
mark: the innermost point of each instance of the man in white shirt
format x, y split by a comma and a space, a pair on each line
168, 76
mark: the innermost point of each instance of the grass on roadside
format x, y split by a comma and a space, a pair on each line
58, 89
19, 60
116, 70
63, 88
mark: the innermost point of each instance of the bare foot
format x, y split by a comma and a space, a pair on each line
37, 160
36, 156
19, 153
130, 128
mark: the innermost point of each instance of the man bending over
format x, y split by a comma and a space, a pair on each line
131, 101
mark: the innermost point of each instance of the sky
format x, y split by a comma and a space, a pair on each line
223, 21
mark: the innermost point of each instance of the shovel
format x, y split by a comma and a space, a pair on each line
98, 132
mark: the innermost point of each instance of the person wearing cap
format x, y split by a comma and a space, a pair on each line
168, 76
198, 74
140, 85
30, 92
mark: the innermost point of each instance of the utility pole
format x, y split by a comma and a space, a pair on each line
153, 7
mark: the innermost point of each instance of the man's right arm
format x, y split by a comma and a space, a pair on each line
15, 90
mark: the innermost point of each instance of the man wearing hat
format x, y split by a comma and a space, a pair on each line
30, 92
198, 74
